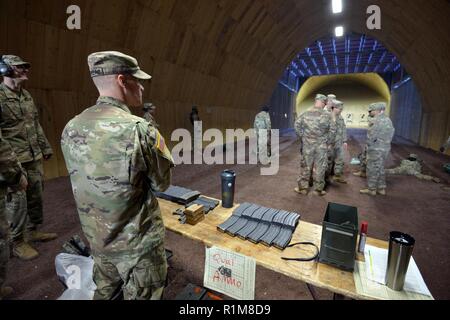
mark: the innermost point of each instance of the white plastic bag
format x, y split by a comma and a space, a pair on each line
76, 272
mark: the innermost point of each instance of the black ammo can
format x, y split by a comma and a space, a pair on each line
228, 181
339, 235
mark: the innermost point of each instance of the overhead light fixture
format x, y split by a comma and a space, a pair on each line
337, 6
339, 31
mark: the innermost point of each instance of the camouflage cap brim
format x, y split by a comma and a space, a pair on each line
321, 97
114, 62
139, 74
27, 64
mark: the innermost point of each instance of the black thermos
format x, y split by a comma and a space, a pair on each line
228, 180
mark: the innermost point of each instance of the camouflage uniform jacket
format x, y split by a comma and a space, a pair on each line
262, 121
19, 123
116, 162
411, 167
10, 168
341, 131
315, 127
380, 134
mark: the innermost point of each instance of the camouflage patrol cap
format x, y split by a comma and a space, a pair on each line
114, 62
321, 97
377, 106
149, 106
331, 97
12, 60
338, 104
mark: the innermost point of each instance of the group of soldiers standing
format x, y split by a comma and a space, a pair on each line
323, 137
116, 162
323, 141
23, 147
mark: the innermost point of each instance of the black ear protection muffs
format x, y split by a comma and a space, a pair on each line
5, 69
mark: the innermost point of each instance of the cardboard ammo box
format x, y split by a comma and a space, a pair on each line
339, 235
194, 214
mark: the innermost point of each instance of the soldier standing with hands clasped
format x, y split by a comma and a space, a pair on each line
315, 127
117, 161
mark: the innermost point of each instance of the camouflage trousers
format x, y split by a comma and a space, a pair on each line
336, 161
363, 160
313, 161
24, 208
406, 171
376, 177
4, 243
142, 277
263, 145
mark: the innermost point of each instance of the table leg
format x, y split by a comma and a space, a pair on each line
312, 291
337, 296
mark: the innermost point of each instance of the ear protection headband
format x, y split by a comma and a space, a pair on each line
5, 69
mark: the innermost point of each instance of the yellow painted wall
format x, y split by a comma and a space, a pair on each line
356, 91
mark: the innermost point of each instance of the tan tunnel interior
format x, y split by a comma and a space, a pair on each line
225, 56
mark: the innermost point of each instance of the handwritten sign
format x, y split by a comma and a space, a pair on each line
230, 273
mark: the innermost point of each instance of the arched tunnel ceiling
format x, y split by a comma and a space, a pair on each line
223, 55
370, 80
238, 46
352, 53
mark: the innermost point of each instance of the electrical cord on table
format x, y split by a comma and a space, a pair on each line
303, 259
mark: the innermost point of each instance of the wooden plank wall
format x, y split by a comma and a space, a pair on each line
224, 56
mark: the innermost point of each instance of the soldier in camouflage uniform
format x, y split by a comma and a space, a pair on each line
262, 127
329, 104
314, 127
412, 166
116, 163
379, 137
19, 123
11, 174
149, 113
338, 145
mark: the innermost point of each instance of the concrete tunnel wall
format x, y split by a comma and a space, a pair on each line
224, 56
